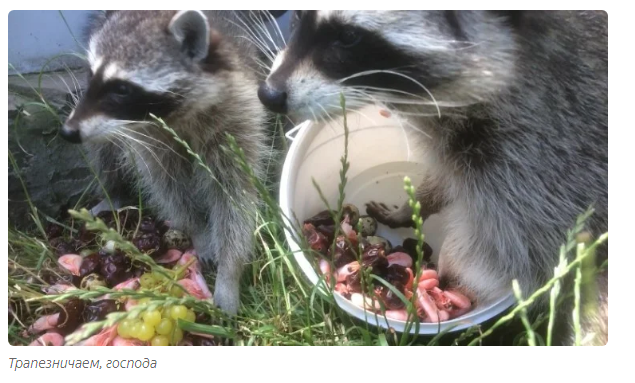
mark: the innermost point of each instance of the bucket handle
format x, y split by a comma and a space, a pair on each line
293, 132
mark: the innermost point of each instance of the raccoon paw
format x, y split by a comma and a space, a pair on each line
401, 217
104, 205
227, 296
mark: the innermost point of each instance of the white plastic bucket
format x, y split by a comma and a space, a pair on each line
381, 152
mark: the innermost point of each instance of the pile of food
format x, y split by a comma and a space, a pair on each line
345, 259
87, 265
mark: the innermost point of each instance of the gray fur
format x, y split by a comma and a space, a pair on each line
217, 99
521, 147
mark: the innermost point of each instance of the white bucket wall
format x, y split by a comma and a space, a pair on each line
381, 151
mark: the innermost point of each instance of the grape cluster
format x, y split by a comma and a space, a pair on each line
88, 267
157, 326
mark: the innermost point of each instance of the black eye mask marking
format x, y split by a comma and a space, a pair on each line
340, 50
123, 100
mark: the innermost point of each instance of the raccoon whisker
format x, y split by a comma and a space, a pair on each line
366, 73
114, 140
50, 76
417, 129
370, 97
68, 88
330, 117
354, 111
405, 101
167, 146
399, 120
290, 120
127, 144
73, 97
390, 90
467, 44
260, 24
417, 114
264, 67
146, 146
357, 98
275, 23
380, 95
257, 45
263, 26
255, 38
76, 84
315, 118
171, 92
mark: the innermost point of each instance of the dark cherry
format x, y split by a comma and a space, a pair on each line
70, 316
62, 246
148, 242
53, 231
321, 218
90, 265
96, 311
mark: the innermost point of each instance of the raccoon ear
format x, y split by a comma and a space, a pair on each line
191, 30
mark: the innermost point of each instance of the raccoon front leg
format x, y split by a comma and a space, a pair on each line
428, 194
231, 240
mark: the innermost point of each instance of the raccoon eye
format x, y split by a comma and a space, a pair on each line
348, 38
122, 89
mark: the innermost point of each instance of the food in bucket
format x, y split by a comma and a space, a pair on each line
344, 259
112, 268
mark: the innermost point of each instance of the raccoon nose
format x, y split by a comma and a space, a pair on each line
272, 98
70, 135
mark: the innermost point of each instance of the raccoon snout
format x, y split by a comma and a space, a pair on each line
71, 135
273, 98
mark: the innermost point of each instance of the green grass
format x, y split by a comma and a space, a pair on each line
279, 305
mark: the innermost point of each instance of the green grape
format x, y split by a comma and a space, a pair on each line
159, 278
135, 328
177, 336
147, 281
165, 326
144, 301
146, 332
160, 340
190, 316
152, 318
176, 291
124, 328
178, 312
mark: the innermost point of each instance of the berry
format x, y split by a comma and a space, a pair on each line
98, 310
135, 329
160, 340
147, 281
178, 312
124, 328
152, 318
176, 336
176, 291
90, 264
190, 316
165, 327
146, 332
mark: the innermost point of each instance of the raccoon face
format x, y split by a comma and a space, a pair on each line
142, 63
430, 59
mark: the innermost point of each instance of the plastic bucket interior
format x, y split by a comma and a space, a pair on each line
381, 152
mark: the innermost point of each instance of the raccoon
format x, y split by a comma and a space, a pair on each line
512, 107
190, 69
